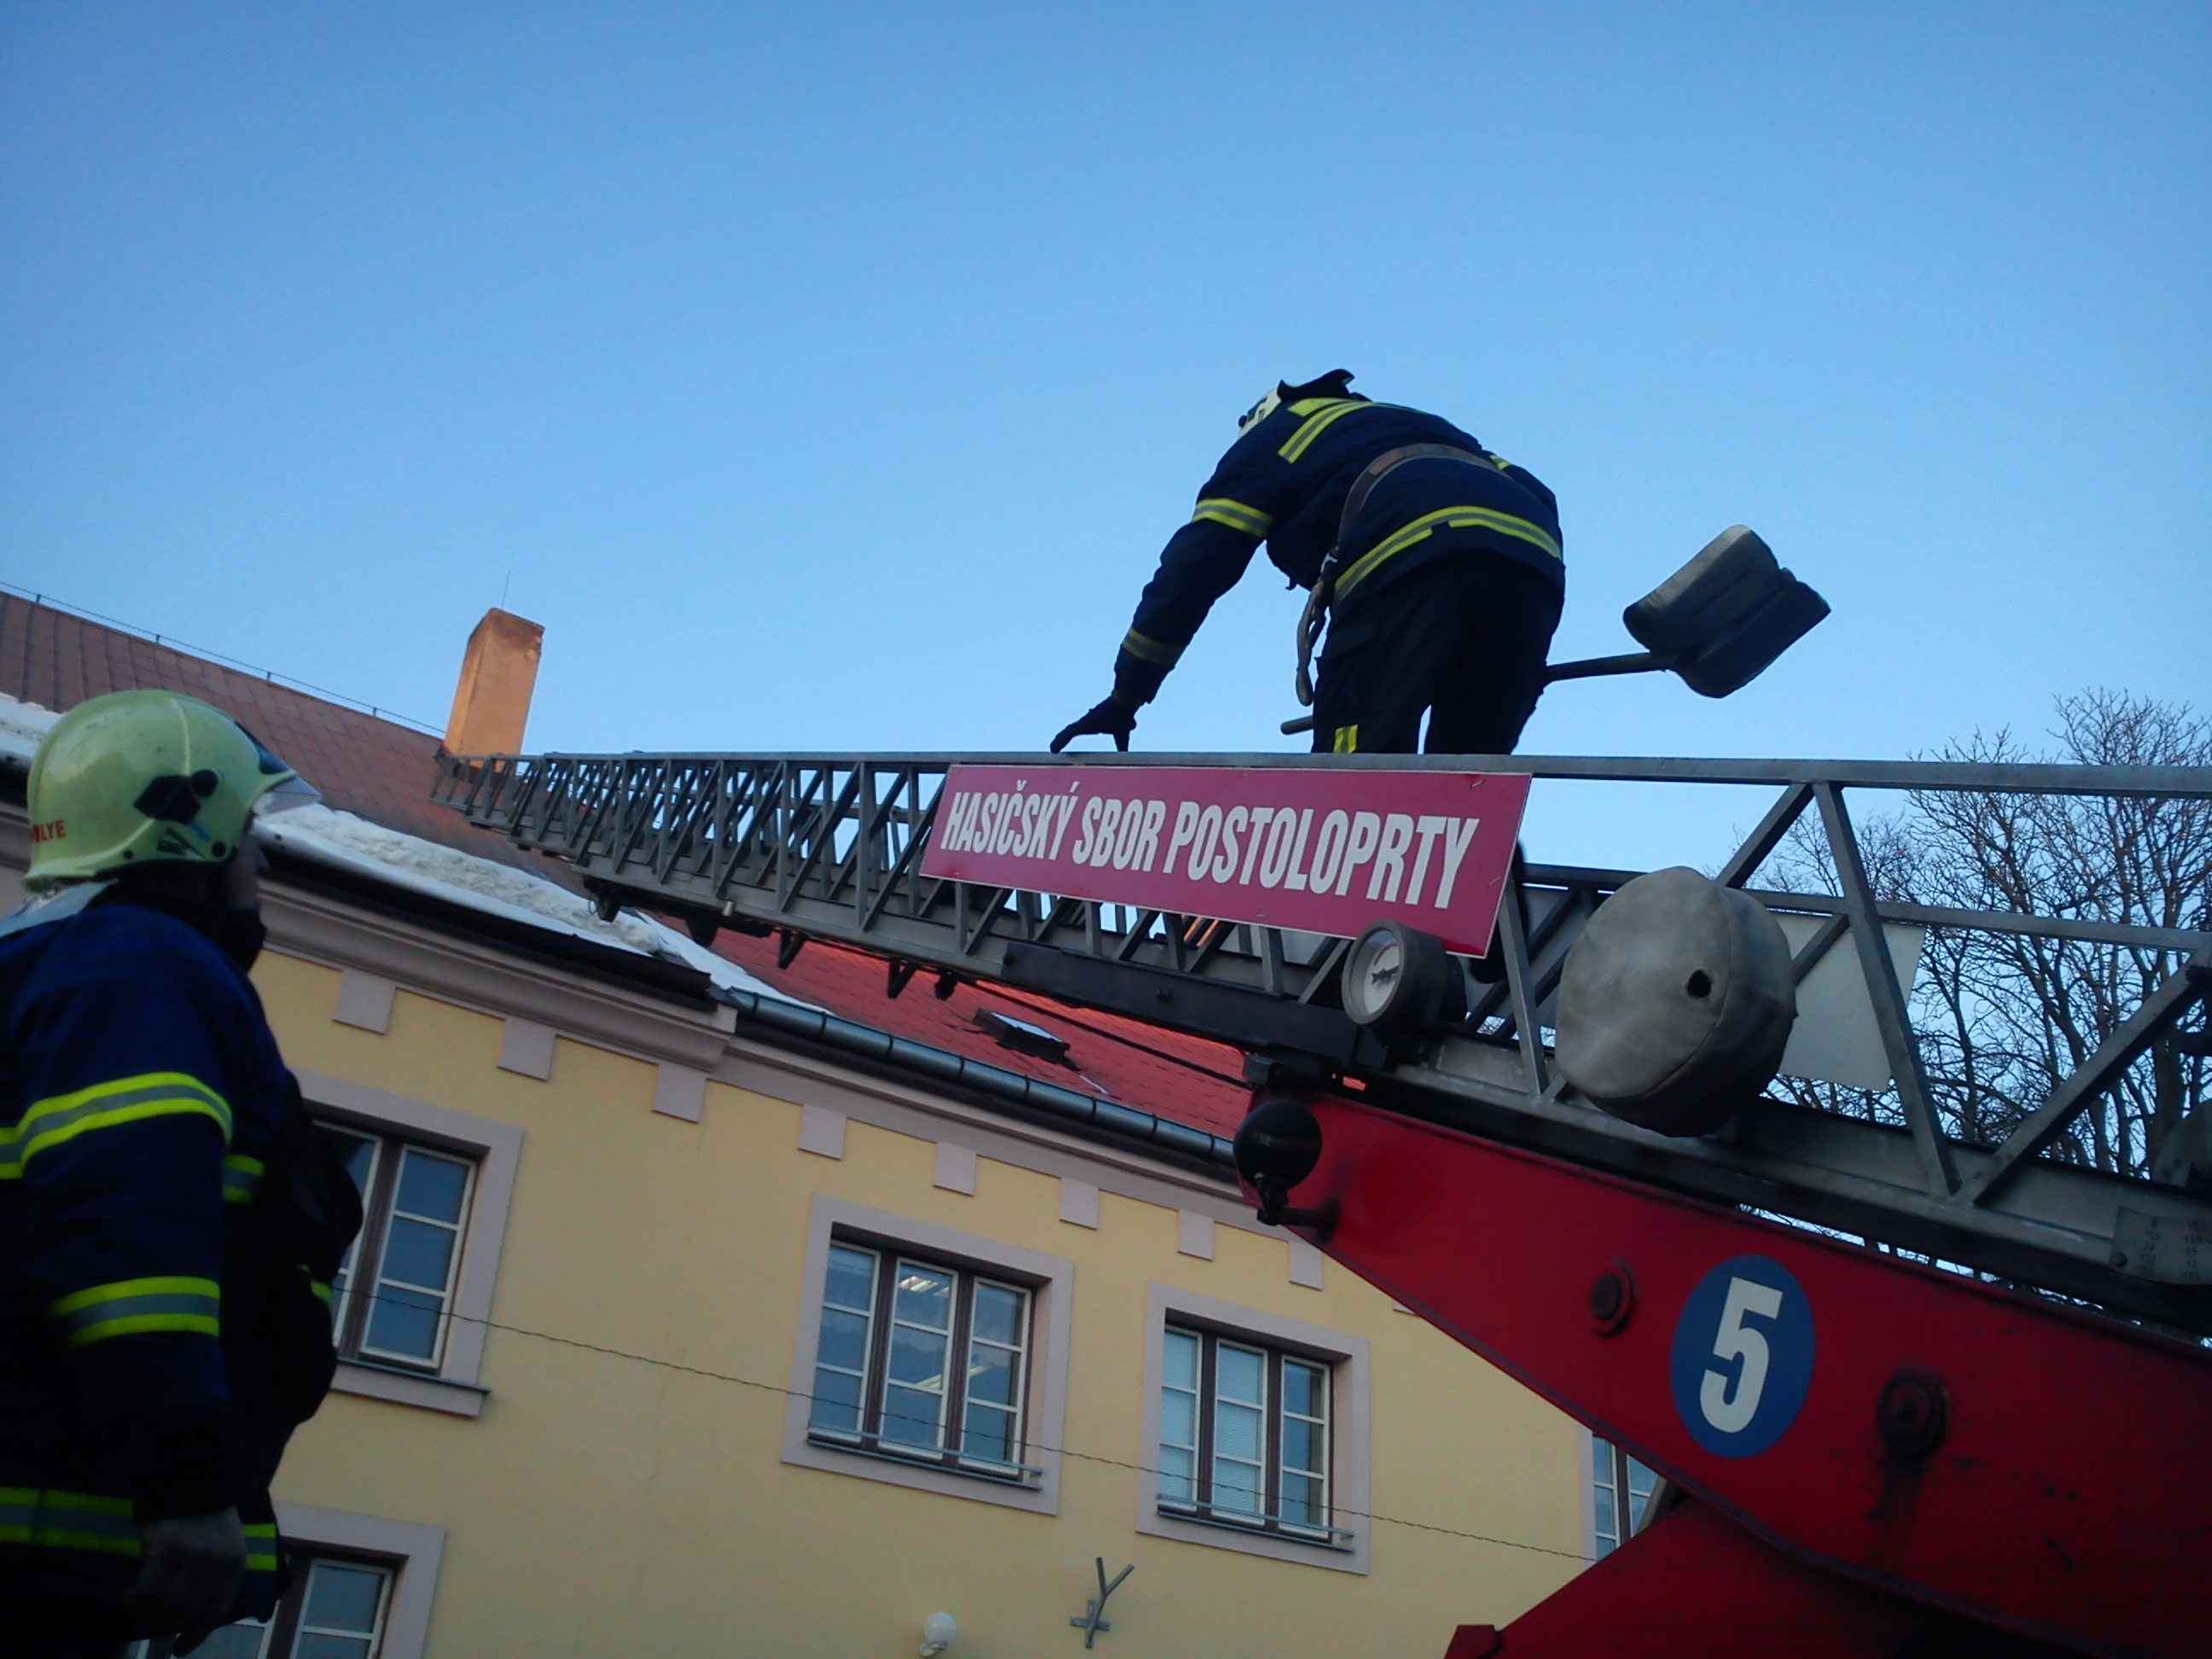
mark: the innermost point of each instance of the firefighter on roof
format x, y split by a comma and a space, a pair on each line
1436, 563
169, 1223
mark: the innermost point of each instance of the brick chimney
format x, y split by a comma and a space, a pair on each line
491, 704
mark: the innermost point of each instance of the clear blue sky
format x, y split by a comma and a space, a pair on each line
829, 375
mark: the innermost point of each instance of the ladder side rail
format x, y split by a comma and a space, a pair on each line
832, 872
2033, 777
1893, 1019
679, 804
761, 846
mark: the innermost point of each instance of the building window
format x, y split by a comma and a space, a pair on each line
1621, 1489
395, 1288
923, 1359
929, 1358
336, 1608
1244, 1434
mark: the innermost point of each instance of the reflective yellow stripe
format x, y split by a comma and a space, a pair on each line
241, 1178
131, 1306
190, 1324
125, 1100
66, 1519
264, 1534
1347, 740
1455, 518
1326, 413
1150, 650
1237, 516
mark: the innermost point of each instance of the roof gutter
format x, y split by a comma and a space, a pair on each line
1121, 1122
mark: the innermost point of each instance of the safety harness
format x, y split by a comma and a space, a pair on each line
1315, 618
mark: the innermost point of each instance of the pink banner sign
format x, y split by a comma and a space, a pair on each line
1321, 851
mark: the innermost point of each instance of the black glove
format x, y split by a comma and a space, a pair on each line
1111, 719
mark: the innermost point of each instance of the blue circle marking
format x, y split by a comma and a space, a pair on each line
1743, 1355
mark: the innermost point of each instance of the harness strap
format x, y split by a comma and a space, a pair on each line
1380, 468
1315, 614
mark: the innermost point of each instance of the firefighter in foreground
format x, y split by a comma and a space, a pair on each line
169, 1222
1436, 563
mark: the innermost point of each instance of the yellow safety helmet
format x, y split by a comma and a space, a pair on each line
148, 777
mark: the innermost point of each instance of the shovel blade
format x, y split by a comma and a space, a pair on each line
1726, 615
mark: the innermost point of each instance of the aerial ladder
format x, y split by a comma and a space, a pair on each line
1906, 1393
1531, 1103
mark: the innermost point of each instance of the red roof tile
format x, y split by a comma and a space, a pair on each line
1185, 1079
376, 768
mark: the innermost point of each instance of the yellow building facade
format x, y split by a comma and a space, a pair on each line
590, 1400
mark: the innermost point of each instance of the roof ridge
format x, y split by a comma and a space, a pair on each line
170, 642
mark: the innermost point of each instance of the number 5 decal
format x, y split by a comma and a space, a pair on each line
1742, 1356
1730, 1402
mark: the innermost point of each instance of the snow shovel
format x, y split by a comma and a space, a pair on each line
1718, 621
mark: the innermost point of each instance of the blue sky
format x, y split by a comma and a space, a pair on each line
828, 376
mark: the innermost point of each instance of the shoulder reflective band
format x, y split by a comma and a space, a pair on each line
1237, 516
66, 1519
241, 1178
134, 1305
1319, 422
104, 1105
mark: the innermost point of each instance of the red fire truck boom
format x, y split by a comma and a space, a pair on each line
1952, 1444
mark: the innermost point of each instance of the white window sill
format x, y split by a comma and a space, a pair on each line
1005, 1474
1330, 1538
405, 1387
1341, 1555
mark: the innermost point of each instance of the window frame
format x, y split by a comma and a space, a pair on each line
1611, 1470
892, 1258
495, 1148
410, 1553
350, 1309
1343, 1357
1049, 1281
1205, 1454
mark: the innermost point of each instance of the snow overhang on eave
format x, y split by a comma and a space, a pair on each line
388, 870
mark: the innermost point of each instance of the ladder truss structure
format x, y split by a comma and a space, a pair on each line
830, 846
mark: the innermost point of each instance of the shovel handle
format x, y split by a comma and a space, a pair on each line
1635, 662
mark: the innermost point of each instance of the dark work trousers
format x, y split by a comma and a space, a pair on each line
1463, 640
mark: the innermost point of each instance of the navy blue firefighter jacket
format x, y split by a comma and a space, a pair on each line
141, 1095
1285, 481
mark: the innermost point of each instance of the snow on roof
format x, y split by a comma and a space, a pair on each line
347, 843
22, 727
